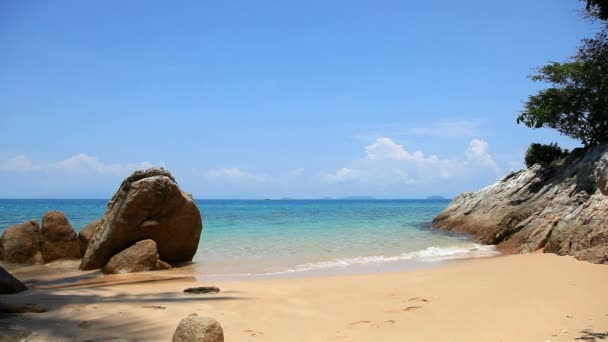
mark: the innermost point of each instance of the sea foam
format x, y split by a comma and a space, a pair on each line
432, 253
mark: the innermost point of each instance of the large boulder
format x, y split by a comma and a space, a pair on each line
85, 235
10, 284
560, 208
141, 257
21, 244
148, 205
198, 329
59, 240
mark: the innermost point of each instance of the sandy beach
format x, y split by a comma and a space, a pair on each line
533, 297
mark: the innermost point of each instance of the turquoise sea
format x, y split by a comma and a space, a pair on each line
267, 237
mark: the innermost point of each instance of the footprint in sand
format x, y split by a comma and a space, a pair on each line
85, 324
410, 308
417, 299
157, 307
252, 332
360, 322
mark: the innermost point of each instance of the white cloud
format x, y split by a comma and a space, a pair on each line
342, 175
234, 174
478, 151
20, 163
77, 164
84, 163
388, 162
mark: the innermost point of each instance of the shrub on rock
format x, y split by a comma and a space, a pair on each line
544, 154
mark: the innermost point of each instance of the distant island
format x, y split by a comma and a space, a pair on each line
436, 197
358, 198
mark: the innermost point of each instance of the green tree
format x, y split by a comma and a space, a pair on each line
598, 8
576, 104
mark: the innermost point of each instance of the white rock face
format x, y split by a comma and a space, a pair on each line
559, 209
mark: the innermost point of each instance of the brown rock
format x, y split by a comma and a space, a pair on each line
21, 308
161, 265
558, 209
85, 235
198, 329
141, 257
202, 289
9, 284
148, 205
59, 240
21, 244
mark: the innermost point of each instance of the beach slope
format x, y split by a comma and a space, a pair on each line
531, 297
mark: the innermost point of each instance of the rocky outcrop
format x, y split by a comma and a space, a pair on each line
141, 257
199, 329
148, 205
9, 284
85, 235
59, 240
601, 175
557, 209
22, 244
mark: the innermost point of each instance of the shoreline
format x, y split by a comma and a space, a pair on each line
526, 297
362, 265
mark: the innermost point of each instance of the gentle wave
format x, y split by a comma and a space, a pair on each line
432, 253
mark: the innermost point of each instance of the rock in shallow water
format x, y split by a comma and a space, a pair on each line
148, 205
198, 329
141, 257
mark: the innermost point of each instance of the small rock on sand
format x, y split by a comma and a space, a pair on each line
202, 289
199, 329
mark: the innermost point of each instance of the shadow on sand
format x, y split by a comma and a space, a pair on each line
72, 300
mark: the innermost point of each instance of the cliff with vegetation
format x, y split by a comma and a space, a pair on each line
560, 208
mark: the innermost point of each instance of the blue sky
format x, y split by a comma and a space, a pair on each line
257, 99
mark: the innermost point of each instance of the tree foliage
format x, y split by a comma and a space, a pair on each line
576, 104
544, 154
598, 8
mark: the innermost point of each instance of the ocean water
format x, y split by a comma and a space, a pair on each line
262, 237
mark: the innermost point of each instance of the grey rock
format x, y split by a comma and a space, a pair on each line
198, 329
148, 205
556, 209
